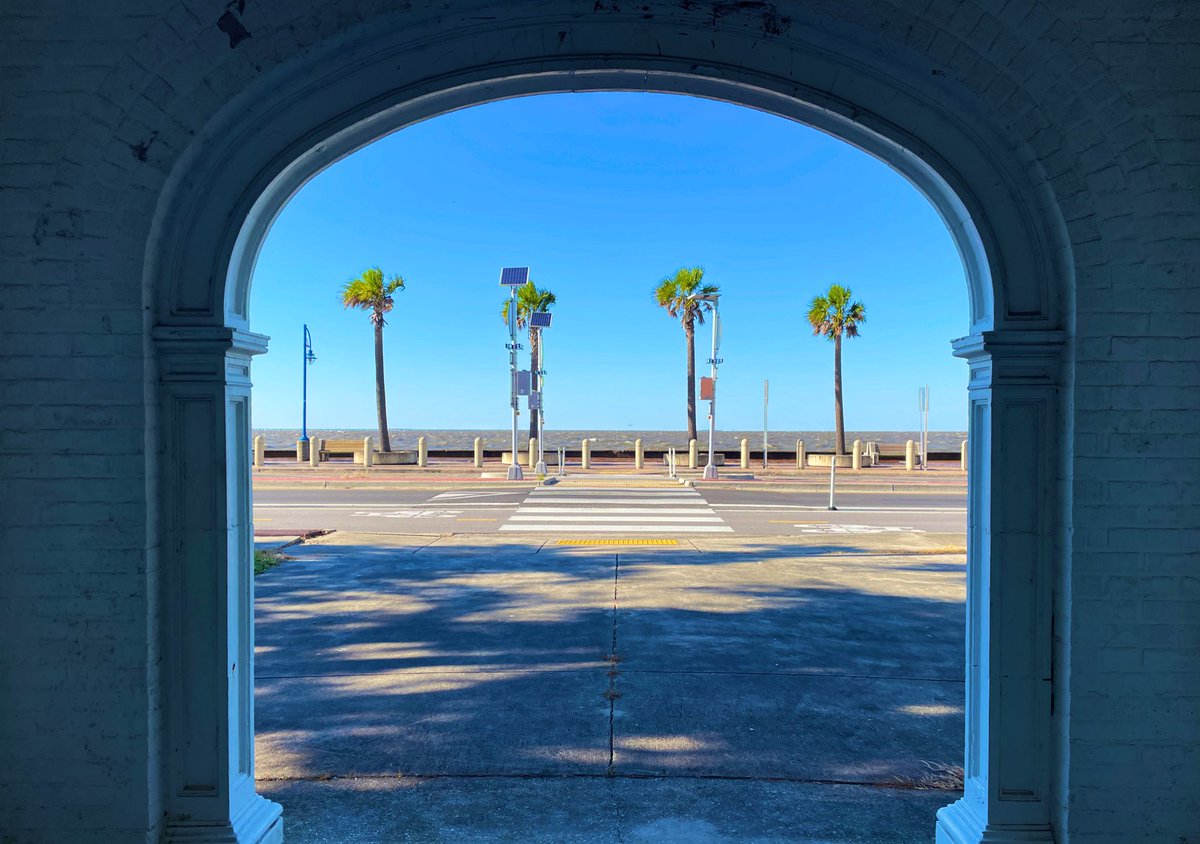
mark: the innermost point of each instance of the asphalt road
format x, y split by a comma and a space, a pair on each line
609, 510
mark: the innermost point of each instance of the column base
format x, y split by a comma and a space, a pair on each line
261, 822
515, 473
960, 823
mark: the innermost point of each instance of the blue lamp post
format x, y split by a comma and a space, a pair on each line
309, 357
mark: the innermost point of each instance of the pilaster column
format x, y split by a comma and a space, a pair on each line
1014, 507
208, 597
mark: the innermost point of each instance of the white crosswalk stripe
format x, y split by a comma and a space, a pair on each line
615, 510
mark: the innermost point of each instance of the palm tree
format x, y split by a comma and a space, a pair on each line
531, 298
677, 294
371, 292
832, 315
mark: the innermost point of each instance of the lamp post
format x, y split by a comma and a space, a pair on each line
710, 471
512, 278
539, 321
309, 357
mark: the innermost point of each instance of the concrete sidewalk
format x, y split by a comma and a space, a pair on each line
478, 688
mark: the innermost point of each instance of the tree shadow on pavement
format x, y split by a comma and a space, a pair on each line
503, 660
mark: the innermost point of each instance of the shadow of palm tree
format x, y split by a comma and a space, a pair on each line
500, 660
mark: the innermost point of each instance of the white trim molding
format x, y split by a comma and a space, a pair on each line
208, 585
1012, 512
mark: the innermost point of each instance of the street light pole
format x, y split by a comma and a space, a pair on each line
710, 471
514, 470
309, 357
540, 469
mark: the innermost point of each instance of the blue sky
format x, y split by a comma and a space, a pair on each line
602, 195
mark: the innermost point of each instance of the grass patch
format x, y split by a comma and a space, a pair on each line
935, 776
267, 560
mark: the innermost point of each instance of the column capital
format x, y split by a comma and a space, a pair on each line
214, 339
1013, 358
206, 352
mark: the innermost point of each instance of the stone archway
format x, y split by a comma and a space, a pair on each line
238, 173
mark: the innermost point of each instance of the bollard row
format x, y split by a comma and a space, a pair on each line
313, 451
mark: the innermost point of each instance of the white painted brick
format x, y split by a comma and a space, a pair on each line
1103, 97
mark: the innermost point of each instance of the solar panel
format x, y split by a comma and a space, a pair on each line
514, 276
539, 319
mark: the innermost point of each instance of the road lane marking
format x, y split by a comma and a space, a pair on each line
408, 514
811, 507
841, 529
533, 517
615, 510
448, 495
620, 528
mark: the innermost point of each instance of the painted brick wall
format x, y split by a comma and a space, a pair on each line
97, 103
1135, 634
75, 675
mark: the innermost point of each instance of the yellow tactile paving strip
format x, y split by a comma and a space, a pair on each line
617, 542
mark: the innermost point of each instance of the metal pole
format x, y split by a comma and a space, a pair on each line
514, 470
832, 478
710, 471
925, 433
304, 391
541, 461
766, 393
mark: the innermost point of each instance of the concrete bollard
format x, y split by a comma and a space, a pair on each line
301, 451
745, 453
692, 454
910, 459
856, 458
639, 456
962, 456
368, 452
801, 458
479, 452
422, 452
533, 452
314, 452
585, 455
260, 451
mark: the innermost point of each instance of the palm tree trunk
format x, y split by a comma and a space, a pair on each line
535, 354
385, 444
689, 330
839, 424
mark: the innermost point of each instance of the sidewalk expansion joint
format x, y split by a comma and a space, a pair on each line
613, 658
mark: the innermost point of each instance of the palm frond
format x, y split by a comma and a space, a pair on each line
530, 299
833, 314
674, 294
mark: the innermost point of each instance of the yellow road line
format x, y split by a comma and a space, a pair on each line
618, 542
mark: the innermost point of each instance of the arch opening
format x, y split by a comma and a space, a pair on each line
221, 205
433, 578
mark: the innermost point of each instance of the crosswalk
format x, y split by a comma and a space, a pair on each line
615, 509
